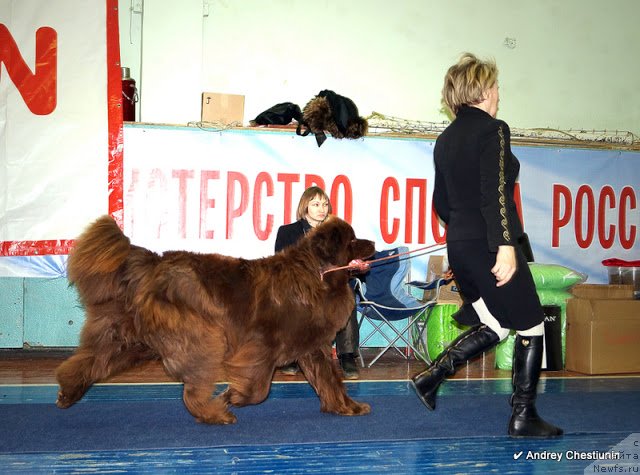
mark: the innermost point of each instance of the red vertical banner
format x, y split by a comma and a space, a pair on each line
114, 94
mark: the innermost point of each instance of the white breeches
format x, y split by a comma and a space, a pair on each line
489, 320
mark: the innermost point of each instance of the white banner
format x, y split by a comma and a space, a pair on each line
581, 206
228, 192
58, 128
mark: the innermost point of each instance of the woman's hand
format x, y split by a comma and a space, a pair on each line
506, 265
359, 266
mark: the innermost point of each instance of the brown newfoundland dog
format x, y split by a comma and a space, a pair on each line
212, 318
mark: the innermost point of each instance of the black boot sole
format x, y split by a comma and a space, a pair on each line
554, 436
431, 407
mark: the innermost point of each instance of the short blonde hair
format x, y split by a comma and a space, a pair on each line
307, 196
467, 81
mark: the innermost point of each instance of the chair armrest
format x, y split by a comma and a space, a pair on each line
434, 284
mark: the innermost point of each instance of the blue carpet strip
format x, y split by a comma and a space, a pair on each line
464, 454
42, 394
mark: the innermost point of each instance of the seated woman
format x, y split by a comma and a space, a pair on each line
313, 208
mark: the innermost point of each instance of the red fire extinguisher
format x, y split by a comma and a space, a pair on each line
129, 96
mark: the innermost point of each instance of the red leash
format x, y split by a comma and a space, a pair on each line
362, 266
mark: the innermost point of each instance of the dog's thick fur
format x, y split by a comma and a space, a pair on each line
318, 116
209, 317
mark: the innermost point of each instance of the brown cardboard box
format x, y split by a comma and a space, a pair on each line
603, 334
599, 291
449, 293
436, 267
227, 109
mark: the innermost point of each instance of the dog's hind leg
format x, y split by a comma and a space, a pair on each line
86, 367
250, 371
74, 378
323, 376
108, 345
198, 400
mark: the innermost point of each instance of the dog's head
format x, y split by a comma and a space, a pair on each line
334, 242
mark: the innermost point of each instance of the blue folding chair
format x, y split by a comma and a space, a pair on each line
382, 299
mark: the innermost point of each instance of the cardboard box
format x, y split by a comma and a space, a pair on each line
603, 334
449, 293
436, 267
226, 109
599, 291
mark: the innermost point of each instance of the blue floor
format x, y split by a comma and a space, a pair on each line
581, 452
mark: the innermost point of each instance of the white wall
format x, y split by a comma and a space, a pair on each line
567, 64
130, 24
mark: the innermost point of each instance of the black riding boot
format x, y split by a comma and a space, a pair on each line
468, 345
527, 360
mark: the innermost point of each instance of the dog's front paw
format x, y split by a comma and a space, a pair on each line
350, 408
219, 419
360, 408
63, 401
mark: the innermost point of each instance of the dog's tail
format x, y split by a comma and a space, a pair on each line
100, 250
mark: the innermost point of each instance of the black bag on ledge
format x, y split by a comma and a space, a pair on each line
280, 114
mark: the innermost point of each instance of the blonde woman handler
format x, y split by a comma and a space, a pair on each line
473, 194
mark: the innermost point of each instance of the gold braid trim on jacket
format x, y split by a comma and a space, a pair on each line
503, 209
